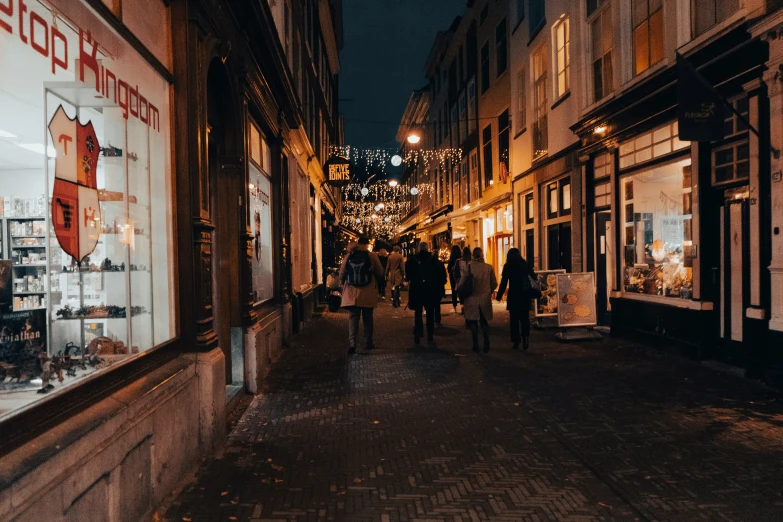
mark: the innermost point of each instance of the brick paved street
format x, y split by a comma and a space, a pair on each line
596, 431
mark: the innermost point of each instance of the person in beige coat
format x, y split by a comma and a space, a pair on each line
360, 291
395, 273
478, 306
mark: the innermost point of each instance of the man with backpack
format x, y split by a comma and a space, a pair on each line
361, 274
427, 278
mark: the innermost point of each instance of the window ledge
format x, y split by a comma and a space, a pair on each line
520, 133
669, 301
707, 36
639, 78
560, 100
590, 108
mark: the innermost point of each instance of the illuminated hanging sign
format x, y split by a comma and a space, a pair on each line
338, 171
76, 212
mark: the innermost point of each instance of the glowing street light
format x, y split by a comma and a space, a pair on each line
414, 191
392, 183
413, 139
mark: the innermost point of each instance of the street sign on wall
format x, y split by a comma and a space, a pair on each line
700, 108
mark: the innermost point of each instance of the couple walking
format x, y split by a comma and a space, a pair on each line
475, 282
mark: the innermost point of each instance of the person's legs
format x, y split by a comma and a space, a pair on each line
396, 295
431, 315
353, 327
484, 330
473, 327
525, 319
418, 327
454, 296
436, 312
514, 323
367, 322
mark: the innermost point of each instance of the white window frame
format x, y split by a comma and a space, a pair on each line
561, 56
521, 113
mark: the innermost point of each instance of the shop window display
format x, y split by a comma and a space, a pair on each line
657, 242
86, 277
261, 217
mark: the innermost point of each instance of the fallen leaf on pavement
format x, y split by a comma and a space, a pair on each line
224, 494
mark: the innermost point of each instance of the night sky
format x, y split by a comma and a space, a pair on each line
386, 45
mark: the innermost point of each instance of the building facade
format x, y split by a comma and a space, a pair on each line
162, 232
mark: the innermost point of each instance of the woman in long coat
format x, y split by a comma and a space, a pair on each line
515, 276
478, 306
395, 273
361, 300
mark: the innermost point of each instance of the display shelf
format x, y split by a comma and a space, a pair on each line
20, 265
28, 309
30, 237
91, 318
30, 293
25, 218
19, 247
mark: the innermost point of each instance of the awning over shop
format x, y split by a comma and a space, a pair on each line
442, 211
498, 200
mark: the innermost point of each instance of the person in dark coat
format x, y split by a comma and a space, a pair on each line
427, 279
515, 275
383, 257
456, 254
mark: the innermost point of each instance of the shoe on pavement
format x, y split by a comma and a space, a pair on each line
351, 350
516, 345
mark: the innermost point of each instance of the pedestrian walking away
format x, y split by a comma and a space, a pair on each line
395, 273
517, 274
427, 280
460, 270
361, 273
478, 305
456, 255
383, 257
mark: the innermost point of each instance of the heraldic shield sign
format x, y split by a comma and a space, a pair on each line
76, 212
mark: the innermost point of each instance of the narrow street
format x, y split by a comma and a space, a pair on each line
598, 431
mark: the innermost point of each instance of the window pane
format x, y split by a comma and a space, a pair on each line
743, 170
656, 37
724, 156
743, 152
726, 8
597, 38
641, 50
598, 87
724, 174
608, 79
639, 12
606, 24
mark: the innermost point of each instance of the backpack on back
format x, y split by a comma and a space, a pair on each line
425, 276
358, 270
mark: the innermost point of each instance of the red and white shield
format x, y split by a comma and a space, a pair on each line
76, 211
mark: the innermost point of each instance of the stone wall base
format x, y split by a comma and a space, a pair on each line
119, 458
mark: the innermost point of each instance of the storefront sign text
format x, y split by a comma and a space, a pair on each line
48, 41
338, 171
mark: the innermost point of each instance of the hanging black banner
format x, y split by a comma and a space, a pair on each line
700, 108
338, 171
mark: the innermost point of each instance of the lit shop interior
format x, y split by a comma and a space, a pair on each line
85, 205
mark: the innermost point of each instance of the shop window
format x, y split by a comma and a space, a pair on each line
508, 214
601, 30
86, 214
733, 124
487, 152
485, 67
473, 180
708, 13
465, 183
520, 101
540, 133
501, 48
647, 34
602, 194
659, 142
562, 45
657, 240
558, 198
260, 189
731, 163
602, 166
471, 106
530, 211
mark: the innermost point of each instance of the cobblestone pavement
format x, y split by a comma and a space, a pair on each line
605, 430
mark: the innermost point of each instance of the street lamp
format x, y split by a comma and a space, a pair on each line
413, 139
392, 183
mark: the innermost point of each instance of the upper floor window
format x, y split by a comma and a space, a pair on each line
537, 15
487, 151
485, 67
471, 105
601, 53
520, 116
732, 123
707, 13
445, 122
593, 5
520, 10
504, 125
454, 126
562, 56
647, 34
654, 144
501, 47
484, 14
540, 137
462, 116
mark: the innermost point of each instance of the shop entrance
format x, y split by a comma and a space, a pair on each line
734, 266
603, 224
226, 180
559, 246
